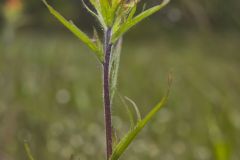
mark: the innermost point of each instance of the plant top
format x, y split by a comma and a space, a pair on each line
119, 15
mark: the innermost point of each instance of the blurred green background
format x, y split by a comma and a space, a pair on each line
50, 83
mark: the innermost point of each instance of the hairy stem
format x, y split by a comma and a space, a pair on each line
106, 91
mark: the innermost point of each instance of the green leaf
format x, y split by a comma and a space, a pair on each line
132, 12
116, 24
106, 12
115, 138
144, 7
28, 151
76, 31
115, 5
218, 139
89, 10
129, 112
97, 6
131, 135
133, 21
114, 66
139, 117
97, 39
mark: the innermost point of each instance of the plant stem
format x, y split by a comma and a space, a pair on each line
106, 91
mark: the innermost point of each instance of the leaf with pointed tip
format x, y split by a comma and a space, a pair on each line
132, 12
130, 114
114, 67
131, 135
97, 40
115, 5
97, 6
138, 113
144, 7
89, 10
76, 31
217, 138
106, 12
115, 138
116, 24
132, 22
28, 151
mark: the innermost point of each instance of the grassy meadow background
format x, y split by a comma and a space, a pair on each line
50, 85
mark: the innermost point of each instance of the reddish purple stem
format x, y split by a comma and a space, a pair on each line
106, 92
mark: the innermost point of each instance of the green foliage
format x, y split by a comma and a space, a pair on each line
129, 111
28, 151
139, 117
179, 131
77, 32
132, 21
130, 136
220, 146
116, 17
114, 66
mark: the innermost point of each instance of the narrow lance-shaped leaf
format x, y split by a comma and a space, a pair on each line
89, 10
97, 39
114, 67
76, 31
129, 112
139, 117
96, 5
115, 138
132, 12
28, 151
144, 7
218, 140
115, 5
130, 136
132, 22
105, 11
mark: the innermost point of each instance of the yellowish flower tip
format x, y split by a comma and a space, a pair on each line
13, 4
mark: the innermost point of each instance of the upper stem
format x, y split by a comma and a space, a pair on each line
106, 91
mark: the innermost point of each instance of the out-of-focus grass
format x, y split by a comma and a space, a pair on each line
50, 95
